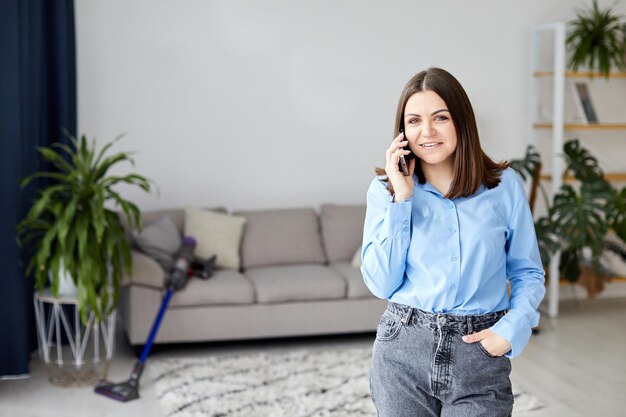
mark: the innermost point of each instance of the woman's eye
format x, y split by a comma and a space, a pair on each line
441, 118
413, 121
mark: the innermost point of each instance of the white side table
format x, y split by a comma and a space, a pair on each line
85, 358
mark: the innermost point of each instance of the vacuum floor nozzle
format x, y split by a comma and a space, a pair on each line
122, 391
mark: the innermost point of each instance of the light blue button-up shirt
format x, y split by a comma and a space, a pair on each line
455, 256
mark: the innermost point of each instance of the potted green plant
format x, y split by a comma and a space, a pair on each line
578, 218
596, 39
530, 166
72, 230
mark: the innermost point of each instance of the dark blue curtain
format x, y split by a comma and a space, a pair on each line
37, 100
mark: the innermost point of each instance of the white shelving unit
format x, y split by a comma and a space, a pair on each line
558, 121
558, 125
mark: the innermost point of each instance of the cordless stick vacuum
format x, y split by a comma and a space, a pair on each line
175, 280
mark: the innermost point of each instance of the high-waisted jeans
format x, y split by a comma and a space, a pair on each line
421, 367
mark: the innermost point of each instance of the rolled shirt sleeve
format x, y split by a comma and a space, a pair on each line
386, 239
525, 273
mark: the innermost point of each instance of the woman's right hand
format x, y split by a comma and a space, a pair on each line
402, 185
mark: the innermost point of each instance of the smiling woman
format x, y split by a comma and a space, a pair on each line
431, 136
433, 107
442, 235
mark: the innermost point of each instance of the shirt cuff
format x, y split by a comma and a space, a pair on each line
516, 329
399, 217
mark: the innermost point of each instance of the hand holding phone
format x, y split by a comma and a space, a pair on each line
402, 181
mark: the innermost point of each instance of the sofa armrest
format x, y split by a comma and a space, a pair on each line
146, 271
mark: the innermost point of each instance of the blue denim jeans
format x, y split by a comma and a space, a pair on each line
421, 366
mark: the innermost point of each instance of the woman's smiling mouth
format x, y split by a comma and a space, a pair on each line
431, 145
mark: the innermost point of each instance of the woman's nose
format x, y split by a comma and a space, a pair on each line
428, 130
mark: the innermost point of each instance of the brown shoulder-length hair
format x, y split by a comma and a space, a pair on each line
471, 165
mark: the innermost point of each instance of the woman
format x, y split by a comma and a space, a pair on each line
439, 244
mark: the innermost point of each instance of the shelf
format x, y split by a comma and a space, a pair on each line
555, 71
575, 126
610, 177
573, 74
563, 281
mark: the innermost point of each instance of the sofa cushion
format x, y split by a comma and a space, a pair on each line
159, 239
145, 271
176, 215
224, 287
342, 230
354, 278
281, 237
216, 234
296, 282
356, 258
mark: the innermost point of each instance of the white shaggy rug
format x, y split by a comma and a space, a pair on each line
297, 383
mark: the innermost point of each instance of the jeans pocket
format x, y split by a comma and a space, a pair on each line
484, 351
388, 328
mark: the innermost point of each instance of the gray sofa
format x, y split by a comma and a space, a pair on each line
296, 278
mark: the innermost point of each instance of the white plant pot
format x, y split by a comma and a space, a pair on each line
66, 284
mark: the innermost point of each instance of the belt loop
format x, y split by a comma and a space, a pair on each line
407, 316
470, 326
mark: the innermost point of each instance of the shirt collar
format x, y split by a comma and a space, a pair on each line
427, 186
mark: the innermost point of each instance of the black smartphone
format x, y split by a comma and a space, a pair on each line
403, 166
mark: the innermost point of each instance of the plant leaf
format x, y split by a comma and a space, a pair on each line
579, 161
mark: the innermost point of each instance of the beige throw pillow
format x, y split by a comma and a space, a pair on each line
216, 234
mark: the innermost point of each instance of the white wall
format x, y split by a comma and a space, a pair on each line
254, 104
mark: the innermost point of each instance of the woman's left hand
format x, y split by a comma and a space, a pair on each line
494, 344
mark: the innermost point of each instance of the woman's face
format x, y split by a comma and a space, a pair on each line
428, 121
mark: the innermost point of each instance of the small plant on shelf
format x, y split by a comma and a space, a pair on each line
596, 40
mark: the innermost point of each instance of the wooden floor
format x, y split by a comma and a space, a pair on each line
577, 364
576, 367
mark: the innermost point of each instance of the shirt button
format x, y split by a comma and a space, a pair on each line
405, 222
442, 320
453, 286
454, 258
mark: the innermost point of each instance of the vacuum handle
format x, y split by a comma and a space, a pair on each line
156, 324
